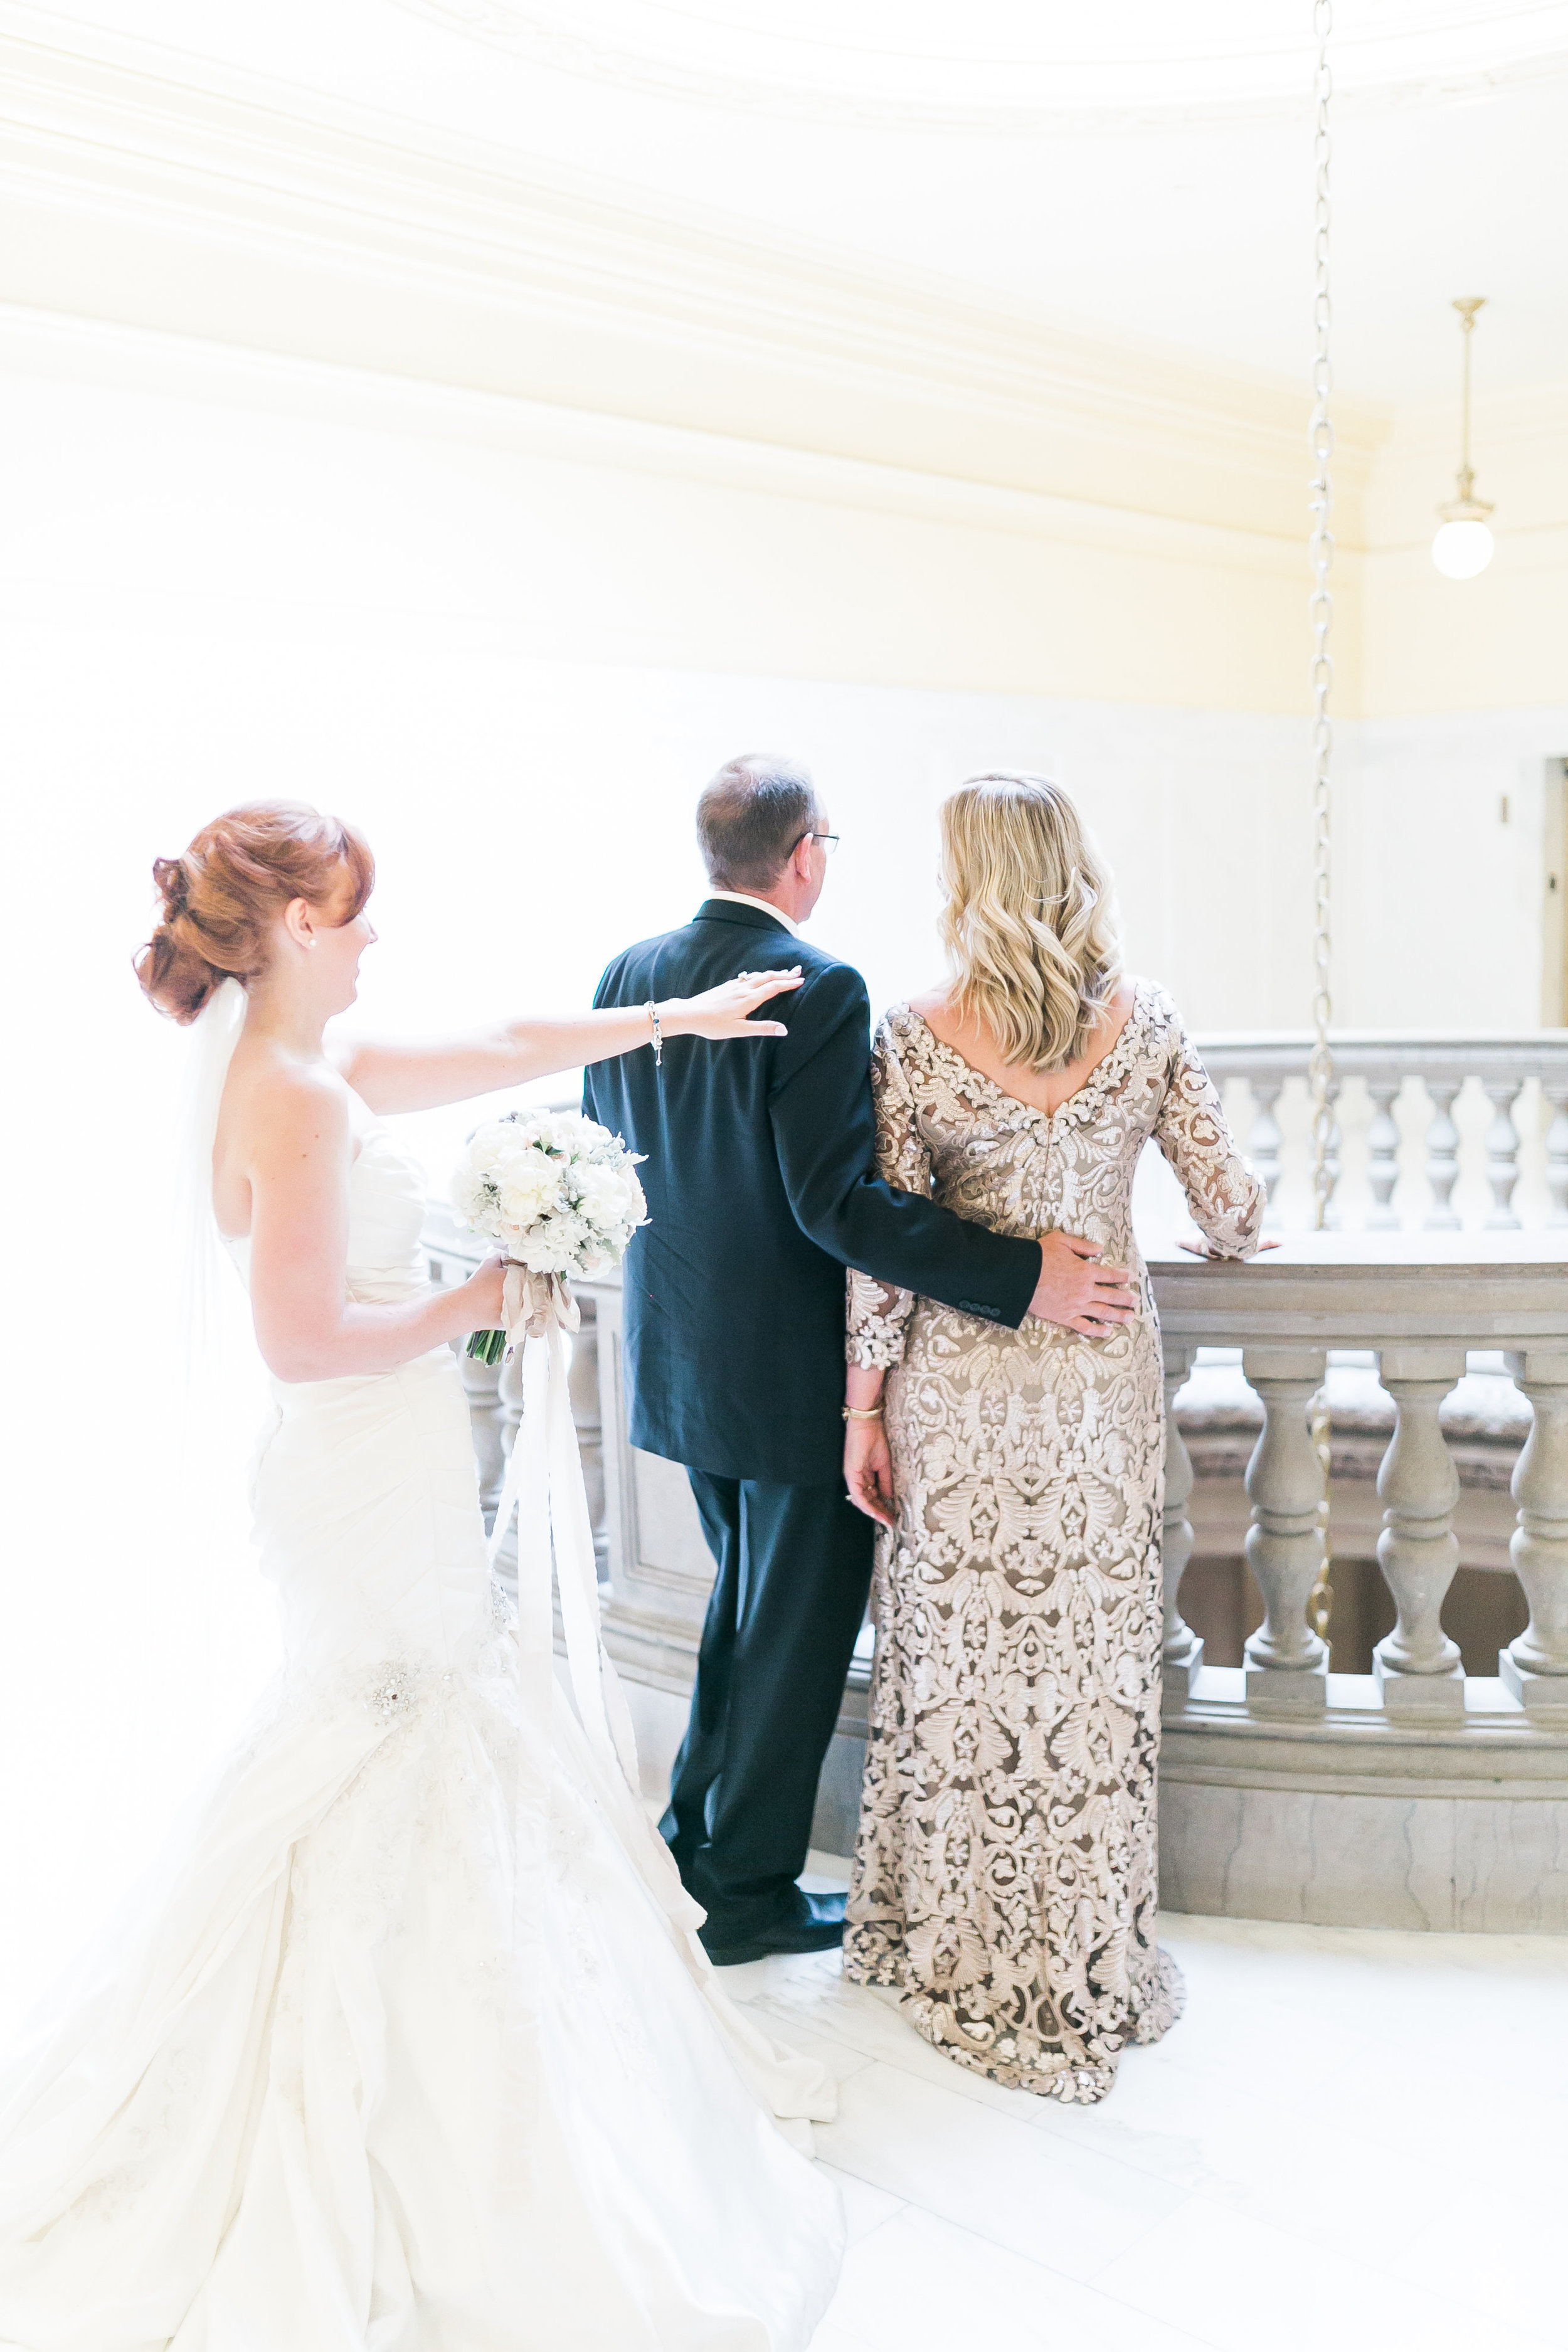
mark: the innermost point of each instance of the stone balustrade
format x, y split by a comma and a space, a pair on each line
1422, 1112
1410, 1794
1414, 1795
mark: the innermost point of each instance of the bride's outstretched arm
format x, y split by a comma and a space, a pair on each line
307, 1327
416, 1077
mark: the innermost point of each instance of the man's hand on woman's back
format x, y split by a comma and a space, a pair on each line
1079, 1288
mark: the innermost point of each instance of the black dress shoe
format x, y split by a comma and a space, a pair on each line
812, 1922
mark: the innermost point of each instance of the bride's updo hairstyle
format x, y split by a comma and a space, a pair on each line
232, 882
1029, 924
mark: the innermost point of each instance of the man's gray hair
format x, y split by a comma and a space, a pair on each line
749, 818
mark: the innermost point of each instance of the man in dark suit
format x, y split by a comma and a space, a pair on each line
761, 1188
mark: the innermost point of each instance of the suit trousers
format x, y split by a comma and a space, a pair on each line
795, 1567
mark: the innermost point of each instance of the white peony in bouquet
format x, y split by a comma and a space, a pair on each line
559, 1194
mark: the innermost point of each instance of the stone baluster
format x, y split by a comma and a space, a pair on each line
1382, 1152
1184, 1652
1418, 1669
1503, 1152
1287, 1662
509, 1420
480, 1385
1265, 1140
1442, 1155
1556, 1093
588, 1418
1535, 1666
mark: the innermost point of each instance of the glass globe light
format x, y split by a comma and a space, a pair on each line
1462, 548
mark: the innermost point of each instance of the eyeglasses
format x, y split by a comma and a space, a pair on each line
829, 842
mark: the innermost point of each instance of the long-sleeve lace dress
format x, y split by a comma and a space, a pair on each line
1005, 1879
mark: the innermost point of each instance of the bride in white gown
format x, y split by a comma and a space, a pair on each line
327, 2090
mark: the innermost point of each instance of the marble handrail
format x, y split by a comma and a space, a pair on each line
1503, 1068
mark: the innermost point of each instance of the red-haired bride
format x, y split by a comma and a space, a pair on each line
363, 2075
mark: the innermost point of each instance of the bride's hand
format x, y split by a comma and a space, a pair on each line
481, 1296
725, 1011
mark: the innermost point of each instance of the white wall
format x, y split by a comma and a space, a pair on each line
493, 653
515, 667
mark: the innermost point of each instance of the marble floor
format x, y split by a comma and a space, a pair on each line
1353, 2138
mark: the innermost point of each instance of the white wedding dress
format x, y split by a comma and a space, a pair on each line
329, 2090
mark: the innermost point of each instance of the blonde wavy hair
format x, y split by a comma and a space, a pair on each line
1028, 924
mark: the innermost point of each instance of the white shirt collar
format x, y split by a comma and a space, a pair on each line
740, 898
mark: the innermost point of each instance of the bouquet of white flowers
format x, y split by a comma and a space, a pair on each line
556, 1191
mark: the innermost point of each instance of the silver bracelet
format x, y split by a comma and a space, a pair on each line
651, 1009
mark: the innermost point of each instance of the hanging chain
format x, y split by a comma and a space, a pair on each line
1320, 436
1320, 1069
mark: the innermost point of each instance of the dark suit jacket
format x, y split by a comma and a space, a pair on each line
762, 1189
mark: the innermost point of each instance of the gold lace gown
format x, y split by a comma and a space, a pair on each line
1005, 1880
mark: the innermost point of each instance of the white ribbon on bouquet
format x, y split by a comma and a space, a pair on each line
543, 1484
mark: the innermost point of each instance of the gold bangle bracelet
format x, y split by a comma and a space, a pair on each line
853, 1412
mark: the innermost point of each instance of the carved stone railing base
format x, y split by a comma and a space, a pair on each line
1356, 1822
1538, 1695
1284, 1690
1441, 1696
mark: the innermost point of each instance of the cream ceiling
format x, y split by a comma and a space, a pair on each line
1013, 66
1135, 167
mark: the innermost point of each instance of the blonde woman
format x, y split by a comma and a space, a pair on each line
1005, 1880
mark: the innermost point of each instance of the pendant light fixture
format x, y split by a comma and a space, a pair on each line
1464, 545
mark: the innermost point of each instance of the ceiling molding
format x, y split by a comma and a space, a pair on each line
119, 358
1374, 79
1519, 443
255, 212
1522, 412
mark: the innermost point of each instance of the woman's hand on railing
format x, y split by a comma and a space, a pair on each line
1201, 1248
